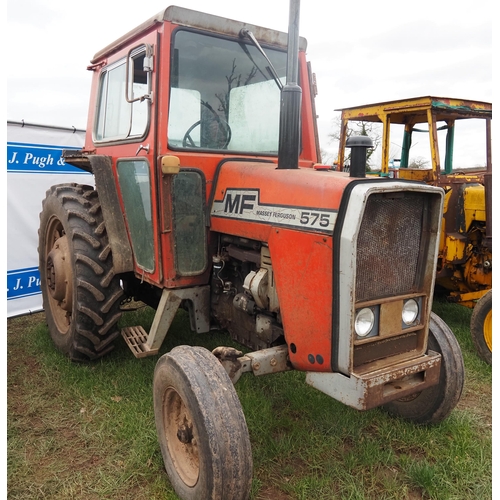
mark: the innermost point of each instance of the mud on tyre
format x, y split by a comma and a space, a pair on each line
201, 427
81, 294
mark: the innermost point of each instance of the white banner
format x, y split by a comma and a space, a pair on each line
34, 164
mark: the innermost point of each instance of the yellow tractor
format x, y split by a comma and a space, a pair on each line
436, 146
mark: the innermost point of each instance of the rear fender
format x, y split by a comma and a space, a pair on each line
113, 216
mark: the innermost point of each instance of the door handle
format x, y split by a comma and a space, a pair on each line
146, 148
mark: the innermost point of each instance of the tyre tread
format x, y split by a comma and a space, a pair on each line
219, 412
97, 292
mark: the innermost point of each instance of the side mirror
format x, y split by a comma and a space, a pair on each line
138, 70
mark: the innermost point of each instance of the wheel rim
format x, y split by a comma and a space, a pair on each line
181, 437
487, 327
58, 275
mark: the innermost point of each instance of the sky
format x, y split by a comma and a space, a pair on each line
361, 52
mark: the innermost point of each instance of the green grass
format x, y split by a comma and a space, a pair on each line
87, 431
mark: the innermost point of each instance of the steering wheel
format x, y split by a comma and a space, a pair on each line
216, 134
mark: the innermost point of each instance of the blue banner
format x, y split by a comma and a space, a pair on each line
38, 158
23, 283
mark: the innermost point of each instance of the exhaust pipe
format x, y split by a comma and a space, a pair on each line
291, 97
359, 145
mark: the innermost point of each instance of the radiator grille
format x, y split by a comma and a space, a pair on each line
389, 245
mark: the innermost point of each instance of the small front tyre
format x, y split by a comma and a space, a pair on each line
434, 404
201, 428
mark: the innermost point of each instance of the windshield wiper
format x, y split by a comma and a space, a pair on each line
250, 35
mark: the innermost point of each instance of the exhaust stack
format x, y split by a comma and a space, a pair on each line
359, 145
291, 97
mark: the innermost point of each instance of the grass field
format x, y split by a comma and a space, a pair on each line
87, 431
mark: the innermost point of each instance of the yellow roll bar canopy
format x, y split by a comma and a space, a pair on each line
413, 111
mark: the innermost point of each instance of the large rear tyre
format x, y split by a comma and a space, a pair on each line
201, 428
481, 326
81, 294
434, 404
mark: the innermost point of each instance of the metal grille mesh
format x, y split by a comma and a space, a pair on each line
389, 245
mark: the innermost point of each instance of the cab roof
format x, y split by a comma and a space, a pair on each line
200, 20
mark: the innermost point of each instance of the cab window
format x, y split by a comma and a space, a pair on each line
124, 98
135, 187
223, 95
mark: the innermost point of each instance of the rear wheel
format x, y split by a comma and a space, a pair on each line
201, 428
481, 326
81, 295
434, 404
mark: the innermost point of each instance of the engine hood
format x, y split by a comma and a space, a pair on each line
263, 196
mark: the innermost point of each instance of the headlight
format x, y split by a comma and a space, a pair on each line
363, 324
410, 312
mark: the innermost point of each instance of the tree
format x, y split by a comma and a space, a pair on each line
418, 162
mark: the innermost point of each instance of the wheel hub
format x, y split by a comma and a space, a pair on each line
59, 274
185, 433
180, 434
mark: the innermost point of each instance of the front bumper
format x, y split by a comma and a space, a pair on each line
375, 388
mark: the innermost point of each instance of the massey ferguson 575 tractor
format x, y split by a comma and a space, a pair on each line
209, 195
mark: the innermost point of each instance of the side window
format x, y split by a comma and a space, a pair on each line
125, 97
189, 223
135, 186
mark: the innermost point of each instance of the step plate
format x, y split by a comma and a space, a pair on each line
136, 338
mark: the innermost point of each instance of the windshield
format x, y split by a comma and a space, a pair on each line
223, 95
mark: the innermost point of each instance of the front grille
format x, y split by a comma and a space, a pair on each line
389, 245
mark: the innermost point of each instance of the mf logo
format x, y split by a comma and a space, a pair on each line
245, 205
237, 203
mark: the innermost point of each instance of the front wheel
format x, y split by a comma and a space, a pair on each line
201, 428
481, 326
434, 404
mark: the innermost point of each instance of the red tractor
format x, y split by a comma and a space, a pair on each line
209, 195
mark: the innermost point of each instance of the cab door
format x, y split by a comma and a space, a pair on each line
125, 129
